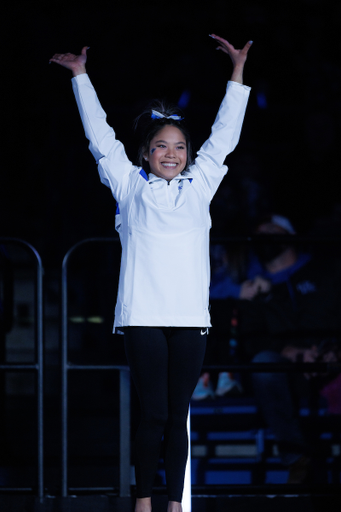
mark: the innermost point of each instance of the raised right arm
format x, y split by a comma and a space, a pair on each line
113, 164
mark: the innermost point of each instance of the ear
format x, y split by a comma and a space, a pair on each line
145, 156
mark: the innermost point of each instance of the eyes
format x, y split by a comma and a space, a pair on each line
163, 146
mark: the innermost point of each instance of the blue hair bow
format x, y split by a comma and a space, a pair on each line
158, 115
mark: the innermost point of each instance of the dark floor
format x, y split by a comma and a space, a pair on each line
98, 503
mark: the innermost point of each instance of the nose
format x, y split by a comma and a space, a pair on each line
170, 152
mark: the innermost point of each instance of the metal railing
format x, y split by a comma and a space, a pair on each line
124, 407
36, 367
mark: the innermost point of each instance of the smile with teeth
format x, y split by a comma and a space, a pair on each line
169, 165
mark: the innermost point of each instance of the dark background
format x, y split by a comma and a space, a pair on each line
287, 161
288, 157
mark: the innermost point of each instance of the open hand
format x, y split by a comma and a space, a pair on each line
238, 57
76, 63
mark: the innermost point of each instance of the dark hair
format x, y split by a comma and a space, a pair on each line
149, 127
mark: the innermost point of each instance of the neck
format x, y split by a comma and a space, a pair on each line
285, 260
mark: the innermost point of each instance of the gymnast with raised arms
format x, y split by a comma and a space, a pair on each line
163, 224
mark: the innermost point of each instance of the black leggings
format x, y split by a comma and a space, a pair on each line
165, 364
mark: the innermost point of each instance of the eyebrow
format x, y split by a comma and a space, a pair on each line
181, 142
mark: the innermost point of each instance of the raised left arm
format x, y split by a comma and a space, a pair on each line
226, 129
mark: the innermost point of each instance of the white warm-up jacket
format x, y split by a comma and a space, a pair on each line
163, 226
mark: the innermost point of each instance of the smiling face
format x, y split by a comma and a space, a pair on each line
167, 154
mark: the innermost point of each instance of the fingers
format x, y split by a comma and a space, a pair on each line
61, 57
227, 47
222, 48
64, 58
247, 47
55, 57
220, 39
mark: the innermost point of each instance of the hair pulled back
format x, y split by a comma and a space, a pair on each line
147, 128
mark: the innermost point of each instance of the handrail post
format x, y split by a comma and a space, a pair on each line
124, 391
124, 433
64, 379
39, 359
40, 377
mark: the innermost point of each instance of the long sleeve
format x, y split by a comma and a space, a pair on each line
224, 137
113, 164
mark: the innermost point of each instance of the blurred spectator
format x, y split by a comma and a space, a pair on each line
289, 306
236, 274
298, 319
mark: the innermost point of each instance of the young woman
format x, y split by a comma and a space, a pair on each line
164, 224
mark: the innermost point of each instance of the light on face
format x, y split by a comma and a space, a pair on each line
168, 153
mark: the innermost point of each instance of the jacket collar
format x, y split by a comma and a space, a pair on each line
185, 175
